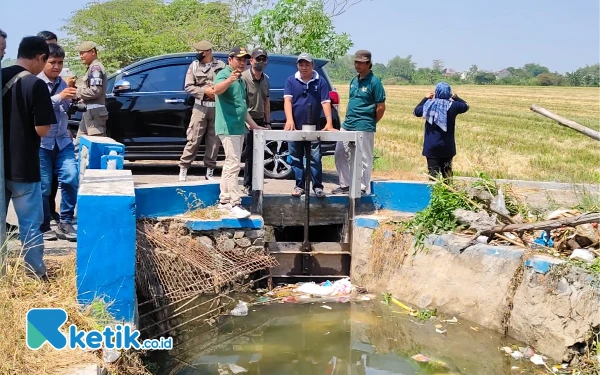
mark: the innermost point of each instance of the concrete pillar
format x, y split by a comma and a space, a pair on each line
99, 153
106, 241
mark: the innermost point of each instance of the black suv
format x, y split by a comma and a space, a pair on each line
150, 117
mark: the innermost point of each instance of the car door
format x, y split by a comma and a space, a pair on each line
154, 110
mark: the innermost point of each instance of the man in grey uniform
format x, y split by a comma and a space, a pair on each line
199, 83
91, 90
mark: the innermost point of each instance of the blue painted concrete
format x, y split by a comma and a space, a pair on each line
401, 196
542, 263
502, 251
253, 222
98, 147
176, 199
118, 160
366, 222
106, 241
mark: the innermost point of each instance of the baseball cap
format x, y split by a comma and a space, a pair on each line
239, 52
362, 55
304, 56
86, 46
203, 45
259, 52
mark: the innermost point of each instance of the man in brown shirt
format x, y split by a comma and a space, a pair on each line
199, 83
259, 107
91, 90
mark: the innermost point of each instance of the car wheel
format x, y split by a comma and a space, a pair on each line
276, 160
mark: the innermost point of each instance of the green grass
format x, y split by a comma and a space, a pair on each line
499, 136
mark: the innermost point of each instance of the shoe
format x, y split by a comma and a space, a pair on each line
297, 192
55, 217
226, 207
209, 173
247, 190
363, 192
319, 193
341, 190
49, 235
65, 231
239, 213
182, 174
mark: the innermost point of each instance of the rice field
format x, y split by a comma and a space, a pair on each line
499, 136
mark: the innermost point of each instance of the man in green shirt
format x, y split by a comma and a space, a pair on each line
366, 107
231, 116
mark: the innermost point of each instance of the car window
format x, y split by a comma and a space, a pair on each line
109, 84
163, 78
279, 72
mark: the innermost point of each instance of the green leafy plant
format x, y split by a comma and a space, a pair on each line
438, 216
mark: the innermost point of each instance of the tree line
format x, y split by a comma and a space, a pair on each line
131, 30
404, 71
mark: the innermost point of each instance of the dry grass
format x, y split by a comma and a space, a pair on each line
18, 294
499, 135
389, 248
207, 213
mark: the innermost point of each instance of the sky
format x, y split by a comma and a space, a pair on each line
562, 35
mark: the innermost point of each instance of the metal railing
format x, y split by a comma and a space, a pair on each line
306, 136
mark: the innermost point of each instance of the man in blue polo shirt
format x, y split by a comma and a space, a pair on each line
366, 107
304, 94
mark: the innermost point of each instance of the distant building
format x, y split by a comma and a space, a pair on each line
504, 73
448, 72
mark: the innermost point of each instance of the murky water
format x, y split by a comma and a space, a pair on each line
356, 338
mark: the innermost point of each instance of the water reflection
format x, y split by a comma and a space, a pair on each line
364, 338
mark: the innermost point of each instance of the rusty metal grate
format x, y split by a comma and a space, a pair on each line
171, 268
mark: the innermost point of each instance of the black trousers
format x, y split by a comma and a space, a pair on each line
437, 166
249, 152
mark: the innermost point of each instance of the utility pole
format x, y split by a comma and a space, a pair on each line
3, 241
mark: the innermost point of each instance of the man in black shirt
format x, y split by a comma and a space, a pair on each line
27, 115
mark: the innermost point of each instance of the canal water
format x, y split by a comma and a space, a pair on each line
353, 338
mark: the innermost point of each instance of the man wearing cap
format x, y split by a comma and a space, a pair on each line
304, 95
199, 83
259, 107
91, 90
231, 116
366, 107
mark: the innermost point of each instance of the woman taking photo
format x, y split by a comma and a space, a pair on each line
440, 110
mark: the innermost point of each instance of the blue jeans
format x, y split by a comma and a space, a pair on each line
61, 163
296, 150
27, 201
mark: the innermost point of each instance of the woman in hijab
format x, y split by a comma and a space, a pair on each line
440, 111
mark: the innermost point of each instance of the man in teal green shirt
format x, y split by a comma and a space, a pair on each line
366, 107
231, 116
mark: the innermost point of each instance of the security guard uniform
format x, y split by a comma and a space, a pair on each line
198, 78
91, 89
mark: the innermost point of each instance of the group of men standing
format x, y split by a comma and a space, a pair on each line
39, 150
231, 101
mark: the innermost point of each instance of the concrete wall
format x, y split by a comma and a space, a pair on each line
106, 241
478, 283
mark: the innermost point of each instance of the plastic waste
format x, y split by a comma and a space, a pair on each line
315, 289
507, 350
236, 369
545, 239
326, 307
517, 354
240, 310
537, 359
499, 203
582, 254
342, 287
